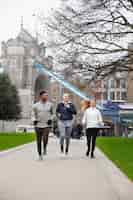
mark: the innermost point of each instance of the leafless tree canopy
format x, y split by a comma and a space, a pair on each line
94, 36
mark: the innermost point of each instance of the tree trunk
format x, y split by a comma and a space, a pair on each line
3, 125
116, 130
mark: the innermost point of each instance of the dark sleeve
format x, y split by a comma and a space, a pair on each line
51, 110
58, 108
73, 109
58, 111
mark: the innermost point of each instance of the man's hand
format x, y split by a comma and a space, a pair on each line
49, 122
35, 122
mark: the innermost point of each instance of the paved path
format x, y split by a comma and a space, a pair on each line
58, 177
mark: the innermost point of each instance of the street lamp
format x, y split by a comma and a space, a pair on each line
1, 69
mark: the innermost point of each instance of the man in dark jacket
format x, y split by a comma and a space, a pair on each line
65, 111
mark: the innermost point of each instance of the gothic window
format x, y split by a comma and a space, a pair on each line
25, 77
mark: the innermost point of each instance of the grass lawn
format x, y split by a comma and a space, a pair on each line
8, 141
120, 151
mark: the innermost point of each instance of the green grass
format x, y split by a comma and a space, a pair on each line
120, 151
11, 140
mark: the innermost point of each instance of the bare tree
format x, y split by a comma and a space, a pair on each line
95, 36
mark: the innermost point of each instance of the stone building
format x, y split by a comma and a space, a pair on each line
17, 56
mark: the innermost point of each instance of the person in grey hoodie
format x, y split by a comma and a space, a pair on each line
42, 118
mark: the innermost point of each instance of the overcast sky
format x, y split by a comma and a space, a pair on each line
12, 10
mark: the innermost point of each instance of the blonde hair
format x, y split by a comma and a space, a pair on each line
66, 95
84, 105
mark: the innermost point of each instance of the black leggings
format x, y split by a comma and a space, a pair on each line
91, 134
41, 135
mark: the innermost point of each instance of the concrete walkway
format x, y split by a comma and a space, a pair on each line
58, 177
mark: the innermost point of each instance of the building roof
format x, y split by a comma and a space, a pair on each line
25, 36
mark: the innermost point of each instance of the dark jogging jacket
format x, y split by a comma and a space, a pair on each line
65, 113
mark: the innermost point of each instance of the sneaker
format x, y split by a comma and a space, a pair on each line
92, 156
66, 152
45, 152
40, 158
62, 149
87, 153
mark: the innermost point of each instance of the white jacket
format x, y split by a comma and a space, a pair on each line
92, 118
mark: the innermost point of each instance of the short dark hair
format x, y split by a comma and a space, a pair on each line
43, 92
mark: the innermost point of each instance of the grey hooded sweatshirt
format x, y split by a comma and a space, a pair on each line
42, 112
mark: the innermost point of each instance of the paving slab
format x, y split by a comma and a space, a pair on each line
60, 177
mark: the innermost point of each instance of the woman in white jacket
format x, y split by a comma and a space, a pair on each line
92, 119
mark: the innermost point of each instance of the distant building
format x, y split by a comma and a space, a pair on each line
111, 88
17, 57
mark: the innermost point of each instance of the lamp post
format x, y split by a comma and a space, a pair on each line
1, 69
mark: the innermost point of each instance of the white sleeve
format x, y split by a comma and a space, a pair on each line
84, 120
100, 119
33, 114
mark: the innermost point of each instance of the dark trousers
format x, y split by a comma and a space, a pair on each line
42, 135
91, 134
